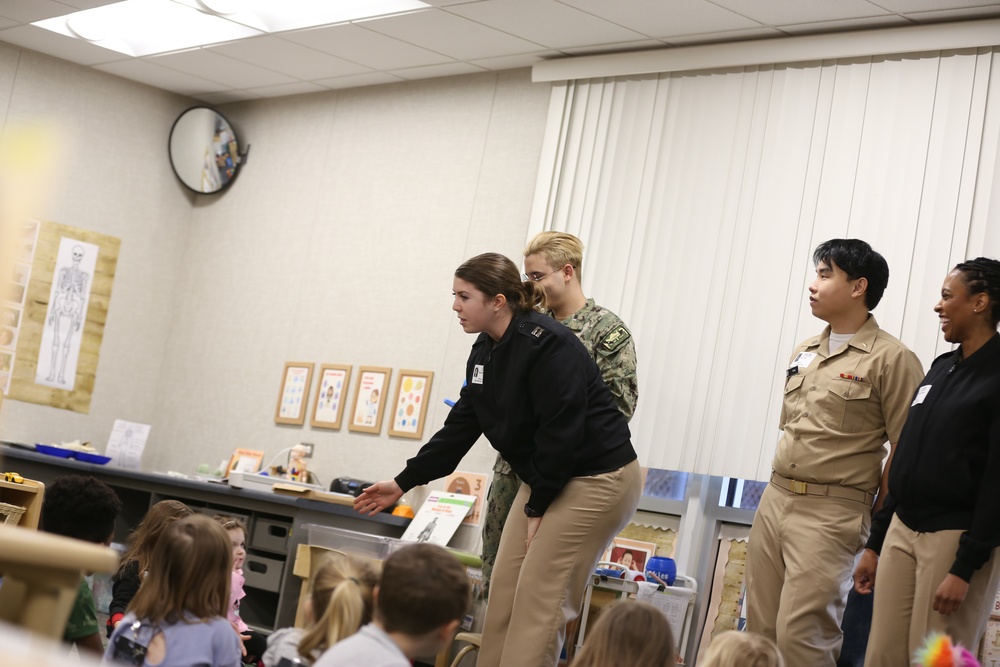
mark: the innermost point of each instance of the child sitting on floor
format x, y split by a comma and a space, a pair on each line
135, 563
339, 603
254, 643
741, 649
628, 634
83, 508
177, 617
422, 596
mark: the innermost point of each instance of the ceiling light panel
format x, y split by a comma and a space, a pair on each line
146, 27
271, 16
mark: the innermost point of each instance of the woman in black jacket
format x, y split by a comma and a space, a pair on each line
537, 395
938, 529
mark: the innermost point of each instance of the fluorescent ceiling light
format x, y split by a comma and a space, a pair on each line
147, 27
279, 16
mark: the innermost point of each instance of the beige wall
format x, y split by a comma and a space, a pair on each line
337, 244
110, 175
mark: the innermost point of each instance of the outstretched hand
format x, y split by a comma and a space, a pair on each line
377, 497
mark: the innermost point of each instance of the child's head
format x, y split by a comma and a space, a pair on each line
80, 507
340, 602
745, 649
628, 634
424, 593
143, 539
237, 532
189, 573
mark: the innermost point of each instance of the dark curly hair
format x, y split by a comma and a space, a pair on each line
983, 275
81, 507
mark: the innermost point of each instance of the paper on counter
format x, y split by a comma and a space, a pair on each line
126, 444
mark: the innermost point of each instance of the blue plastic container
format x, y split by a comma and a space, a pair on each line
662, 567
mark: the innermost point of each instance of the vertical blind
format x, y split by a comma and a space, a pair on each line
700, 196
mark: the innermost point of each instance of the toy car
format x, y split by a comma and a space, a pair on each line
13, 477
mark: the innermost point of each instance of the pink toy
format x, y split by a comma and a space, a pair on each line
939, 651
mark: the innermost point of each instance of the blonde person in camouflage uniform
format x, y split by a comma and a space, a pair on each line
554, 261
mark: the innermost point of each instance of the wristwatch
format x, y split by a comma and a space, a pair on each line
530, 513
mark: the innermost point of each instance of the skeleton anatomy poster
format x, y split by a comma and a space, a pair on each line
64, 315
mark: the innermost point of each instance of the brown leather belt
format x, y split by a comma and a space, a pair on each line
832, 490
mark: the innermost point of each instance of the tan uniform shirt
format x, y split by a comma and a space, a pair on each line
840, 409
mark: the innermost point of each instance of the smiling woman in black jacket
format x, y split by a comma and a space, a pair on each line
938, 530
537, 395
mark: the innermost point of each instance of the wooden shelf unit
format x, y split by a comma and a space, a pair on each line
28, 494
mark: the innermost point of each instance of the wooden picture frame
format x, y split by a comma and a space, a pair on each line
332, 384
369, 399
245, 460
294, 395
409, 407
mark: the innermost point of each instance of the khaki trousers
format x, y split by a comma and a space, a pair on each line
800, 557
535, 592
911, 568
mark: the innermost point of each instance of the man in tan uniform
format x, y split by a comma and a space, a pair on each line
554, 261
847, 392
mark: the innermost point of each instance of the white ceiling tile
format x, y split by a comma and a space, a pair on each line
294, 60
616, 48
657, 18
545, 22
451, 35
515, 62
227, 96
955, 14
782, 12
731, 36
362, 46
911, 6
28, 11
434, 71
87, 4
60, 46
297, 88
359, 80
216, 67
446, 3
7, 23
888, 21
152, 74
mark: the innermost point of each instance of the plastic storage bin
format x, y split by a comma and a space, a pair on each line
270, 535
263, 573
378, 547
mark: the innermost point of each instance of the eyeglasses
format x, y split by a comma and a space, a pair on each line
536, 276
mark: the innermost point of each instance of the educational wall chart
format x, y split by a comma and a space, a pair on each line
294, 394
331, 395
67, 275
410, 404
68, 302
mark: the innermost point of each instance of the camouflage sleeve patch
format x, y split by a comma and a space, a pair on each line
614, 340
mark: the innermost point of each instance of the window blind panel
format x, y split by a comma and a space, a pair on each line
700, 196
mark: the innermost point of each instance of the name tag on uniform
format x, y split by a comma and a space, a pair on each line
803, 359
921, 395
477, 374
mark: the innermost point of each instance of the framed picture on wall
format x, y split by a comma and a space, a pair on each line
331, 394
409, 407
294, 394
369, 399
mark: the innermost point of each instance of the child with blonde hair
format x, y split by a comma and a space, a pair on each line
339, 603
628, 634
177, 619
135, 563
745, 649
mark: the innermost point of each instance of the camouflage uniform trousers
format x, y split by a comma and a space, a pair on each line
499, 501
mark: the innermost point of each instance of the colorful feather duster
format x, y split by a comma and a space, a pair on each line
939, 651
